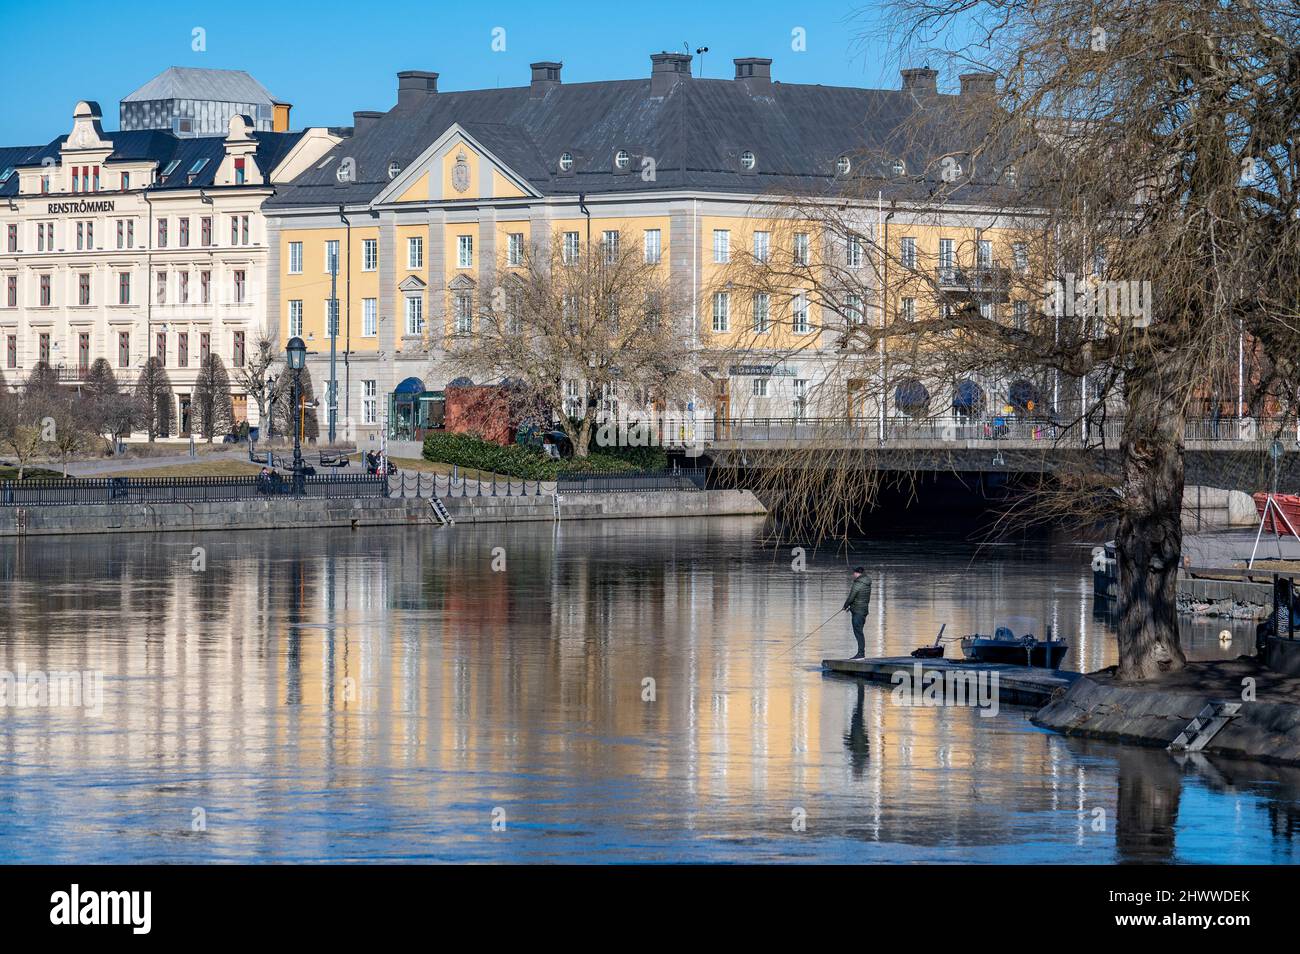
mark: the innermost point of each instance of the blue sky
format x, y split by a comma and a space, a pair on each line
330, 58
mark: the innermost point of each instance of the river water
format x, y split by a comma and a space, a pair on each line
484, 694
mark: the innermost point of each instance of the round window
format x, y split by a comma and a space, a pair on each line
899, 167
622, 159
842, 165
747, 159
393, 170
566, 161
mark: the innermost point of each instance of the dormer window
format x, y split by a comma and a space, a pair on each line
198, 166
239, 171
747, 160
899, 168
393, 170
126, 181
170, 168
1010, 175
842, 165
4, 176
622, 159
566, 161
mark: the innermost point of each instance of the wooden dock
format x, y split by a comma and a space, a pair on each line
1017, 685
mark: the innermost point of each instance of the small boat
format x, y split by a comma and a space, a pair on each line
1288, 509
1025, 649
932, 652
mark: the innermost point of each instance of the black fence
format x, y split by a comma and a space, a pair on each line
630, 481
71, 492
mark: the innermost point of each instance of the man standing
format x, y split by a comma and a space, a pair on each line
857, 603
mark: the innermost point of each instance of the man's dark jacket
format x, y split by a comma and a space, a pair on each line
859, 598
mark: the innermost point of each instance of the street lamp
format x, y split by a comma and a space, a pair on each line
295, 358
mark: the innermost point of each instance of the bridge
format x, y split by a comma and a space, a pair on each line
1228, 453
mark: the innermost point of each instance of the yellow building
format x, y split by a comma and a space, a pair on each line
410, 218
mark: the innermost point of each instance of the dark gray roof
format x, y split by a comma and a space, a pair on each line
165, 148
187, 82
11, 157
695, 134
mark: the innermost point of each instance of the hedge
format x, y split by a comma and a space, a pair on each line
464, 450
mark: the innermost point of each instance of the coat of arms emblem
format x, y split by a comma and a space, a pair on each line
460, 174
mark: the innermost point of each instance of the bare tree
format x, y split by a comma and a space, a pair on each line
211, 404
1132, 171
571, 327
252, 377
153, 390
289, 419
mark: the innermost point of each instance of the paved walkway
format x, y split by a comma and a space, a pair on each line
115, 465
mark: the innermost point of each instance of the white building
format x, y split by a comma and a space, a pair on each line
134, 244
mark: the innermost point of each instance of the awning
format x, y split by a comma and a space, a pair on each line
968, 396
1022, 393
911, 395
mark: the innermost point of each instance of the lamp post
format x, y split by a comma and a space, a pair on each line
295, 354
270, 408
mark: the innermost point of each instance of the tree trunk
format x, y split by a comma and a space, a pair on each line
1148, 546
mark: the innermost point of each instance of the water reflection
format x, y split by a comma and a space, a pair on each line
378, 694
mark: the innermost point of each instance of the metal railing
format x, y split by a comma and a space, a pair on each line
959, 428
630, 481
415, 484
71, 492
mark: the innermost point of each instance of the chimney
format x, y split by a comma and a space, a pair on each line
979, 84
414, 86
363, 120
755, 72
545, 76
921, 81
667, 70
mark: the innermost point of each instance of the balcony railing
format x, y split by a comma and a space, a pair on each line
981, 279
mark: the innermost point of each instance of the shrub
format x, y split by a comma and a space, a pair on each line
465, 450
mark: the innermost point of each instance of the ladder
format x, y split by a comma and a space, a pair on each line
1205, 726
440, 512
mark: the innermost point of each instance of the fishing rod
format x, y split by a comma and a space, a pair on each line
812, 634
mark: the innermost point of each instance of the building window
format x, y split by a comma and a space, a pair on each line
240, 287
799, 313
609, 245
11, 351
184, 291
43, 348
721, 312
464, 251
946, 258
463, 307
124, 288
1020, 315
83, 288
907, 252
369, 401
801, 247
653, 248
984, 254
908, 309
1020, 255
11, 291
762, 246
160, 295
369, 317
415, 253
160, 347
853, 251
46, 294
760, 387
124, 349
415, 315
184, 231
205, 230
162, 233
237, 354
762, 313
126, 181
205, 346
295, 258
205, 288
572, 248
331, 317
721, 246
369, 255
183, 349
83, 352
13, 238
747, 159
853, 309
295, 318
515, 248
239, 171
800, 398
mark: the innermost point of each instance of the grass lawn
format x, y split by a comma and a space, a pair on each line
11, 473
215, 468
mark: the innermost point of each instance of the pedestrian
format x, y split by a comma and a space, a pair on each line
857, 603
